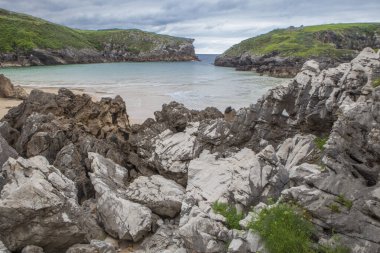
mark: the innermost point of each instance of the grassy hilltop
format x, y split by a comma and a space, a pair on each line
22, 33
332, 40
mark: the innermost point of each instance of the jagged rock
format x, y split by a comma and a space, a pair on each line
163, 196
88, 222
107, 176
201, 233
120, 217
246, 242
44, 201
165, 240
94, 247
6, 151
32, 249
7, 90
123, 219
9, 134
342, 197
173, 151
3, 249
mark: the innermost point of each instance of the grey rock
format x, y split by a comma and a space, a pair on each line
38, 196
6, 151
163, 196
32, 249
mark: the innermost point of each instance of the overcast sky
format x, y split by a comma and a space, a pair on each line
214, 24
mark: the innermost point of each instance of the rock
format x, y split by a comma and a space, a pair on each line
163, 196
32, 249
94, 247
122, 218
6, 151
107, 176
7, 90
9, 134
165, 240
173, 151
38, 196
3, 249
245, 242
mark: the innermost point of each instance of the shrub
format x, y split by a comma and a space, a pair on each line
230, 213
320, 142
284, 229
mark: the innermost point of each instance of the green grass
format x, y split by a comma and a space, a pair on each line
334, 208
283, 229
320, 142
341, 199
230, 213
303, 42
22, 33
376, 83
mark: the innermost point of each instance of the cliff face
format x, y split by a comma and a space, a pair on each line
43, 43
281, 53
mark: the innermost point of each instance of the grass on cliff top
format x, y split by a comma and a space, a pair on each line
303, 42
22, 33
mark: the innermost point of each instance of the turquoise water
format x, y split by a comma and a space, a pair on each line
146, 86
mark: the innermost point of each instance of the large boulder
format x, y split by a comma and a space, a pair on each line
120, 217
38, 206
8, 90
163, 196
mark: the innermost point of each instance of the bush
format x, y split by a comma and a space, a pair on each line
284, 229
230, 213
341, 199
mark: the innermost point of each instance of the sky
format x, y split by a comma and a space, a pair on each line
214, 24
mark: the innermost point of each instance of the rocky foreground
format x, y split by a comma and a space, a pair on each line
76, 177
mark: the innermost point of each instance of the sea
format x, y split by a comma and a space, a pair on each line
145, 86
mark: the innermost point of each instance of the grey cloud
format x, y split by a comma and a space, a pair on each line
215, 24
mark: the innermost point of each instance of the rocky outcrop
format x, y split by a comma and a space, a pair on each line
38, 206
153, 187
8, 90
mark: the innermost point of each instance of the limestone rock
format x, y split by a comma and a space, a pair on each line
6, 151
32, 249
44, 201
122, 218
163, 196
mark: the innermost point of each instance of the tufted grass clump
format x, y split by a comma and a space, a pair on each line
233, 217
284, 229
376, 83
320, 143
341, 199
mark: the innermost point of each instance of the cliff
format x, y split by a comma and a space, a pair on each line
296, 172
282, 52
26, 40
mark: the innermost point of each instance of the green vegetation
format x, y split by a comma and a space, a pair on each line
22, 33
341, 199
334, 208
376, 83
305, 41
230, 213
284, 229
320, 142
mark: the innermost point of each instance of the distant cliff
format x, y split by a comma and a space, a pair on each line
26, 40
282, 52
